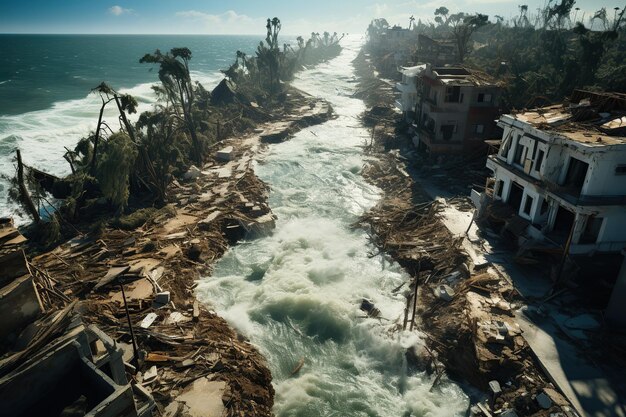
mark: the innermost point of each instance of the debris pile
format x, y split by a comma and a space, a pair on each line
466, 316
68, 367
412, 233
137, 283
474, 333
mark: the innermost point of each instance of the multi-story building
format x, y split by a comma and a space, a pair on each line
562, 169
456, 109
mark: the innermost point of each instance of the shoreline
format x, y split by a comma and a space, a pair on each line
192, 348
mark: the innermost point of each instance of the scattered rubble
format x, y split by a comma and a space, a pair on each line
465, 311
138, 287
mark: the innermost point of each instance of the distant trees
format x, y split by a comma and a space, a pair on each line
268, 54
376, 27
463, 26
546, 52
441, 15
133, 164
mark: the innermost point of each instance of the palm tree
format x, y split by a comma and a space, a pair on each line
125, 103
174, 75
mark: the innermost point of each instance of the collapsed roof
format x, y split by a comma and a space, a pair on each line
592, 118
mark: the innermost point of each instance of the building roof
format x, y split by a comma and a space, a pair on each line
461, 76
593, 119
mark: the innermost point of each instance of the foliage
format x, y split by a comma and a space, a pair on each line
541, 55
179, 90
129, 168
114, 168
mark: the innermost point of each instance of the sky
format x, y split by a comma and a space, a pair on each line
239, 16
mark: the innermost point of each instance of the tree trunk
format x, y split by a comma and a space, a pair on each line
92, 167
24, 191
127, 125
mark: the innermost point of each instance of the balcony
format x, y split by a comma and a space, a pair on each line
570, 195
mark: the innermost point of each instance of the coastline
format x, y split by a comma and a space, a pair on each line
190, 345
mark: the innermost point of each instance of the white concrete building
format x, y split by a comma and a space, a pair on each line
407, 100
563, 169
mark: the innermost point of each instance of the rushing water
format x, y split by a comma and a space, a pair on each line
296, 293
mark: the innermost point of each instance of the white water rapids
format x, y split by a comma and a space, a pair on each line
296, 293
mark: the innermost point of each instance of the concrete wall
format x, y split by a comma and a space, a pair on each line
20, 305
602, 178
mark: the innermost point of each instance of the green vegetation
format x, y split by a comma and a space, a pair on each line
541, 56
122, 177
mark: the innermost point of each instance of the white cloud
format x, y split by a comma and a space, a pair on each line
378, 10
229, 22
119, 10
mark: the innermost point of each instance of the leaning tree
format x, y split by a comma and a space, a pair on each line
174, 75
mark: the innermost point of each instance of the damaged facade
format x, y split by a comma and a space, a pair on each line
437, 52
407, 87
50, 362
563, 169
456, 109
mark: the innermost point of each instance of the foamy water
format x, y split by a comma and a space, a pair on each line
43, 135
296, 293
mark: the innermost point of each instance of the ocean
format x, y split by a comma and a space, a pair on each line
45, 84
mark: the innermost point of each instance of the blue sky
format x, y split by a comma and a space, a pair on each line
237, 16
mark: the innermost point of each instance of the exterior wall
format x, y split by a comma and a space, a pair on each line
408, 94
602, 178
616, 310
541, 181
473, 114
20, 305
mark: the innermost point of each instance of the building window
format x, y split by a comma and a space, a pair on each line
519, 154
484, 98
447, 130
453, 94
620, 170
506, 145
479, 129
538, 161
544, 207
592, 230
528, 205
499, 187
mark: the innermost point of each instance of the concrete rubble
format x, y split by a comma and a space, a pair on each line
68, 367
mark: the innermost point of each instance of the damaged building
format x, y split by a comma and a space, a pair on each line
561, 169
456, 109
51, 362
437, 52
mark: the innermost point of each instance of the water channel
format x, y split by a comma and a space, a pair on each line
295, 294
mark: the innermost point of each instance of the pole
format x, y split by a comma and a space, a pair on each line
568, 243
130, 326
414, 300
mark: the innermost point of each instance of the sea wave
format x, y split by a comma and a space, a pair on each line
43, 135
